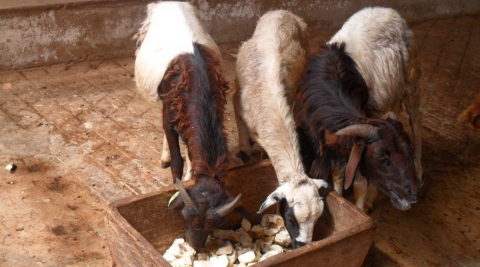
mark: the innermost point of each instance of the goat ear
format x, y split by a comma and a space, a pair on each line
352, 164
322, 186
273, 198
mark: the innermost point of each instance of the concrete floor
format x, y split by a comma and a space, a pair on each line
82, 137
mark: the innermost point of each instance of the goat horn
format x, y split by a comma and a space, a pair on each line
227, 208
362, 130
184, 194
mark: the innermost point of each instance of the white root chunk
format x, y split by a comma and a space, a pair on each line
180, 247
247, 257
179, 263
277, 248
232, 258
272, 223
246, 225
264, 243
283, 238
168, 257
269, 219
245, 238
201, 264
257, 231
240, 249
225, 249
220, 261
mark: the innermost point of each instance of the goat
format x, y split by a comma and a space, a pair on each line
269, 67
331, 108
179, 64
383, 47
472, 114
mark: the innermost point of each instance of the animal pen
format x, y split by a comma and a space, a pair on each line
84, 183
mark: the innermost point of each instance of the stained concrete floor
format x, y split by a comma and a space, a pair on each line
82, 137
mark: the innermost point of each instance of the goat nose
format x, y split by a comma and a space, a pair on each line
415, 195
298, 244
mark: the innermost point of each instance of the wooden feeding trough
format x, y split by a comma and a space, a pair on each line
141, 228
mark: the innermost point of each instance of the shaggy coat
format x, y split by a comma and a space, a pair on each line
380, 42
269, 67
331, 108
179, 64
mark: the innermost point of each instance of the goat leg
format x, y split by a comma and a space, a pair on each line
372, 193
360, 188
338, 179
188, 173
412, 104
243, 137
165, 158
174, 146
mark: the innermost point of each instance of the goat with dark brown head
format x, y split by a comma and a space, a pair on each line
196, 112
192, 89
331, 109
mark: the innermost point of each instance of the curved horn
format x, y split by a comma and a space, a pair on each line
362, 130
227, 208
184, 194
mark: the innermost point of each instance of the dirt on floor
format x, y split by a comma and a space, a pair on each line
82, 137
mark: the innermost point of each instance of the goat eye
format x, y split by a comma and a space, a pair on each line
380, 156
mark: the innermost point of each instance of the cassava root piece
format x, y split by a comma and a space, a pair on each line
227, 248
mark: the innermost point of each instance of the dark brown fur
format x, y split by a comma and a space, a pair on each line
332, 96
193, 95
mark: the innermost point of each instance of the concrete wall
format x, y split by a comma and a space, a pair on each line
64, 32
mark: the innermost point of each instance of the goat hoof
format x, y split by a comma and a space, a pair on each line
165, 164
242, 155
367, 210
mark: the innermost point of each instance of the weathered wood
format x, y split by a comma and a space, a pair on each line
141, 228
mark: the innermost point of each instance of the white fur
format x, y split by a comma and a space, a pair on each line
169, 30
269, 67
376, 40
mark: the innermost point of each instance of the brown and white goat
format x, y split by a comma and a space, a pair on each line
472, 114
332, 110
269, 67
381, 44
180, 64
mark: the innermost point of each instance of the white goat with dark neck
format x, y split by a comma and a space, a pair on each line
381, 44
269, 67
156, 50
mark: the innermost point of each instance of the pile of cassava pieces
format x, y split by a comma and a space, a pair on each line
227, 248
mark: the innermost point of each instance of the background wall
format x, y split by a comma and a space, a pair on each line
41, 32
